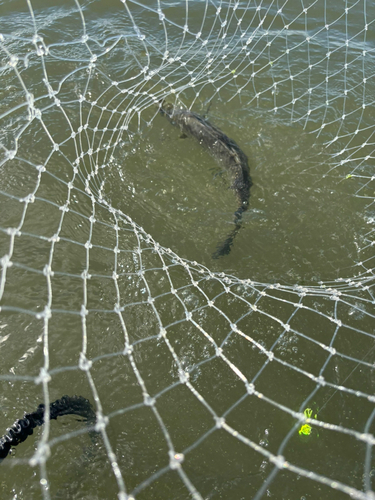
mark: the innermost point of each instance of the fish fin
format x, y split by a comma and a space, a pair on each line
183, 136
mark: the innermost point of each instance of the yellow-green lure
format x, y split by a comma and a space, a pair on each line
306, 429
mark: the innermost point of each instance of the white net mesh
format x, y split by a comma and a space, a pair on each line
246, 377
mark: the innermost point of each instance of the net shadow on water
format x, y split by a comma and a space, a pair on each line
246, 377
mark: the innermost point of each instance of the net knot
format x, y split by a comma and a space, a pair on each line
175, 459
219, 422
42, 454
279, 461
162, 333
128, 350
183, 376
13, 61
84, 312
47, 271
101, 422
148, 400
13, 231
44, 377
250, 388
84, 363
46, 314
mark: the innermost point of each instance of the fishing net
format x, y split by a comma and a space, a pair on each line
249, 376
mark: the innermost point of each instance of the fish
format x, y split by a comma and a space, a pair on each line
225, 151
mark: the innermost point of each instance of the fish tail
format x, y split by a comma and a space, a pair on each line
225, 247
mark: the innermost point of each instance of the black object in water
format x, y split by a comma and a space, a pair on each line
22, 428
226, 152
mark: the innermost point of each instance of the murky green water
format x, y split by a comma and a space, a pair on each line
308, 220
306, 223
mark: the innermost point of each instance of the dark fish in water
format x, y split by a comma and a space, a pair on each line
226, 152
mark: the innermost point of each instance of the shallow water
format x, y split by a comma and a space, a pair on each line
306, 223
302, 222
